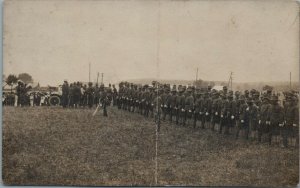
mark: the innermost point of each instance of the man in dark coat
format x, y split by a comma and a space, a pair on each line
65, 94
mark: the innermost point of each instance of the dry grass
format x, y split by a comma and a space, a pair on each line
53, 146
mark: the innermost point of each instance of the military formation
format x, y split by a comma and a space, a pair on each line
76, 95
248, 114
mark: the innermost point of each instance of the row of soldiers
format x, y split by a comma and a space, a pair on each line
255, 114
80, 95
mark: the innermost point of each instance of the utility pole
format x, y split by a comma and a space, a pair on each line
230, 81
101, 78
197, 75
97, 77
290, 80
89, 72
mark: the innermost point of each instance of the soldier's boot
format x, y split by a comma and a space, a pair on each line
226, 130
202, 123
195, 121
237, 133
221, 128
170, 118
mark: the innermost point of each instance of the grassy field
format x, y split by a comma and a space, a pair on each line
55, 146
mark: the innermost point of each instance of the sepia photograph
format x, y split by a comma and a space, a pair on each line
150, 93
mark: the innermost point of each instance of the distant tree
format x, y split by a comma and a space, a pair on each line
26, 78
11, 79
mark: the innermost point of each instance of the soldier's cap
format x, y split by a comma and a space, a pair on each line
246, 92
90, 83
224, 87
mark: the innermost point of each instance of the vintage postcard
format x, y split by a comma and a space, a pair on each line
150, 93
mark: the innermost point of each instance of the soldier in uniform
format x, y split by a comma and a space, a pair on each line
207, 104
77, 94
147, 101
164, 102
115, 94
103, 99
291, 123
173, 109
182, 112
244, 117
179, 102
157, 102
189, 105
254, 111
276, 118
224, 114
198, 101
232, 112
96, 94
71, 96
89, 93
65, 94
264, 117
216, 109
168, 108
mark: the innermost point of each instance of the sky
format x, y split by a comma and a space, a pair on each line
54, 40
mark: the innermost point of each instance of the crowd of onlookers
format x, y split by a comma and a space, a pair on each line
34, 98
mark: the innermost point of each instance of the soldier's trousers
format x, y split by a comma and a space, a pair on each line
65, 100
215, 119
189, 115
104, 108
202, 117
273, 130
157, 114
223, 124
196, 118
243, 126
90, 100
287, 133
182, 116
177, 111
